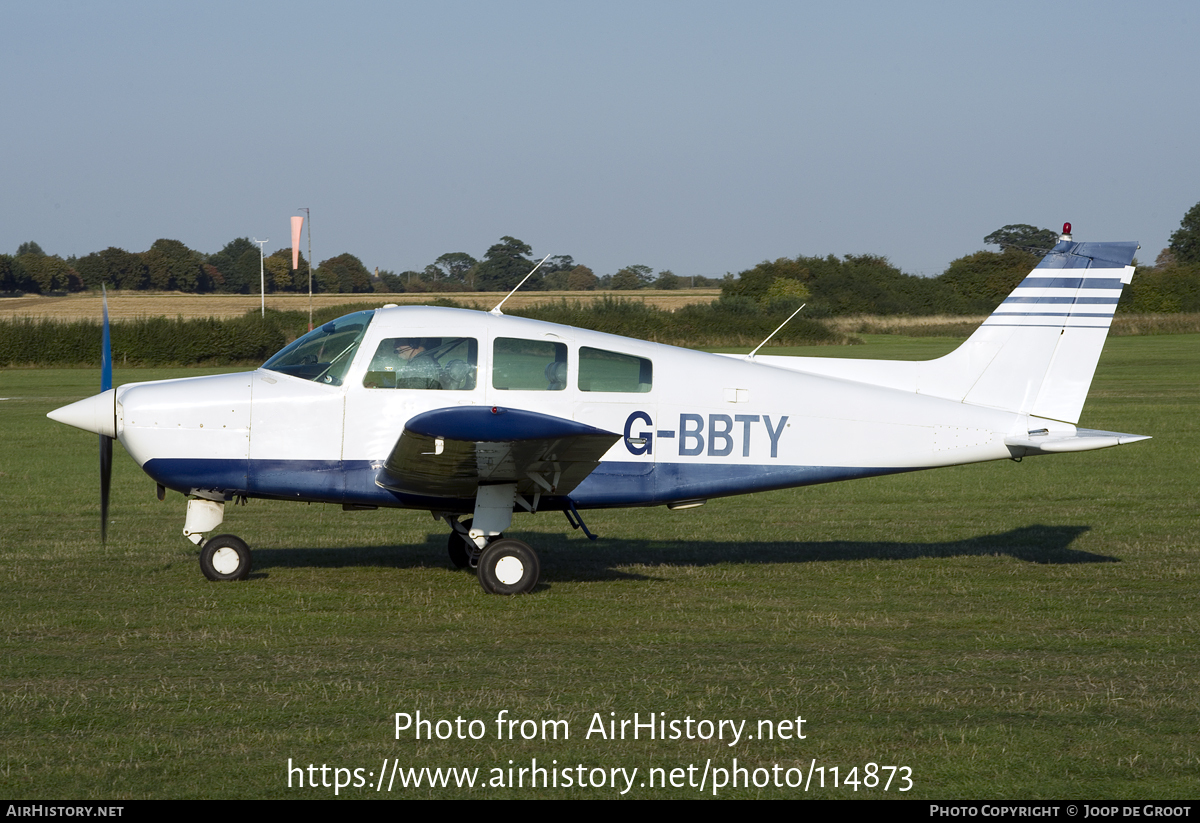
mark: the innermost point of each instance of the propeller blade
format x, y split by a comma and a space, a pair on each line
105, 348
106, 448
105, 482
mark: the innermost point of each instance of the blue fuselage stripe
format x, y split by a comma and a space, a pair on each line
610, 485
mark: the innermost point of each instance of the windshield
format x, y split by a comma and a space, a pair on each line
324, 354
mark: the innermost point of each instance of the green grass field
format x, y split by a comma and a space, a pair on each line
1005, 630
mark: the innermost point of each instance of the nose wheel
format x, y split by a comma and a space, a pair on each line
225, 557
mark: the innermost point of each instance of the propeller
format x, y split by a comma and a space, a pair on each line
106, 446
98, 415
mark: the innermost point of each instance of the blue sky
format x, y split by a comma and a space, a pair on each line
692, 136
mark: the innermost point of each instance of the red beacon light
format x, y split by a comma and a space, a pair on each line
1066, 232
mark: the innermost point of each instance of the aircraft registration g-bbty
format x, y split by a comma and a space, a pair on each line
474, 415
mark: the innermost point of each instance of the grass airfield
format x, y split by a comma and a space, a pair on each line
1002, 630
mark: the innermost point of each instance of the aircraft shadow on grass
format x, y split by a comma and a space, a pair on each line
575, 561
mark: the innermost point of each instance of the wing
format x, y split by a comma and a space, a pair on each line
450, 452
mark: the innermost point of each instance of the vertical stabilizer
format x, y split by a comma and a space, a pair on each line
1037, 353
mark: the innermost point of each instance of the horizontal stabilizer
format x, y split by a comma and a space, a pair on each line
1081, 440
450, 452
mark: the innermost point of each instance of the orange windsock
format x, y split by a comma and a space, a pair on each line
297, 223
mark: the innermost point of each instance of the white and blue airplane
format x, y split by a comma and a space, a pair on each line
473, 415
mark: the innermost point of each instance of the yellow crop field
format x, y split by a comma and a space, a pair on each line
128, 304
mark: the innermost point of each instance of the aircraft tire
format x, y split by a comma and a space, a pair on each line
225, 557
456, 546
508, 567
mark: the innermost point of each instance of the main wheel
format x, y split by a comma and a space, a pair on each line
508, 567
225, 557
456, 547
462, 549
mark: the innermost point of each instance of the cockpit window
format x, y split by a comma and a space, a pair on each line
324, 354
432, 363
601, 370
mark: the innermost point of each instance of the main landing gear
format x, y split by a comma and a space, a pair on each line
508, 567
461, 547
504, 565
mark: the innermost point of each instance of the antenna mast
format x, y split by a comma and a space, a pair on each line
496, 311
750, 356
262, 277
308, 219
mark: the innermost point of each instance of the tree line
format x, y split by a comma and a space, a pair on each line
169, 265
971, 285
851, 284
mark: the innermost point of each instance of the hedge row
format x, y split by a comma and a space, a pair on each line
1163, 290
736, 321
154, 341
251, 339
160, 341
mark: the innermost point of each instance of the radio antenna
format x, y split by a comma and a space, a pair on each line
750, 356
496, 311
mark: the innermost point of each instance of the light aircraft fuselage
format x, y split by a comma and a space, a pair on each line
465, 412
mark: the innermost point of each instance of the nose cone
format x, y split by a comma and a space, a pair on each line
94, 414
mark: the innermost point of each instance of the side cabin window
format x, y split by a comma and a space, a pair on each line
424, 363
601, 370
529, 365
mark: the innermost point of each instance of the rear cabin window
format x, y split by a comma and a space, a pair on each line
601, 370
424, 363
528, 365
